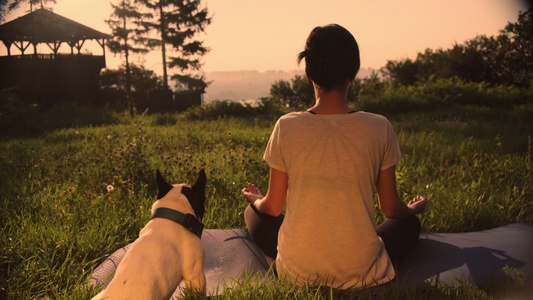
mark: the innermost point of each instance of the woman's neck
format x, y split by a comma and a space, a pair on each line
332, 102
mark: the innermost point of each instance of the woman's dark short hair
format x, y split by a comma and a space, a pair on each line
331, 56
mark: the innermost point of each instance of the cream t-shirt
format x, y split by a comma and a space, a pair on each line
328, 235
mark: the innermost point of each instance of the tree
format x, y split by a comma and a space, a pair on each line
281, 92
304, 92
126, 35
7, 6
177, 22
506, 59
371, 86
142, 80
402, 72
298, 93
521, 36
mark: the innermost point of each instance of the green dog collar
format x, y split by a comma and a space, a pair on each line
186, 220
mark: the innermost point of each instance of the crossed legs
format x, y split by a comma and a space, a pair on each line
398, 235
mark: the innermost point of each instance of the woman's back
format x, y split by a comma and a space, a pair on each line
333, 162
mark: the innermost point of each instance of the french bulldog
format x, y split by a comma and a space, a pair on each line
168, 249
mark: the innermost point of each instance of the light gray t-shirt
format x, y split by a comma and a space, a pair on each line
333, 161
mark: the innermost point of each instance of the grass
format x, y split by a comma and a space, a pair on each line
74, 193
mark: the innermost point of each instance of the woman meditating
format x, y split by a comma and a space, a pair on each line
324, 165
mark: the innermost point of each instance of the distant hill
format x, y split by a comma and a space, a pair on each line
248, 85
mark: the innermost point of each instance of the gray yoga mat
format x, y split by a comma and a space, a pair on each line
451, 257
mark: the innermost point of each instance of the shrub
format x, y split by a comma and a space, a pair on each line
19, 119
220, 109
439, 93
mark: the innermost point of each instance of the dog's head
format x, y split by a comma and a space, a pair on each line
195, 193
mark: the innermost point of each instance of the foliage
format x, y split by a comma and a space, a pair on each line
371, 86
122, 18
436, 94
124, 23
141, 79
505, 59
521, 36
22, 120
298, 93
8, 5
113, 84
177, 22
219, 109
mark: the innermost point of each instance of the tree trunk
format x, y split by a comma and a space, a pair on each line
163, 50
128, 72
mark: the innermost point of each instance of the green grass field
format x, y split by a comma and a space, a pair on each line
72, 193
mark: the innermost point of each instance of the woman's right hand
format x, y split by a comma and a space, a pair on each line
252, 193
418, 204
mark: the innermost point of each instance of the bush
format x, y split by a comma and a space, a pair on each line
18, 119
439, 93
220, 109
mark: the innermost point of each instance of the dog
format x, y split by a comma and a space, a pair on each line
165, 252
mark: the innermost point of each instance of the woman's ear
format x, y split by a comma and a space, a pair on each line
309, 78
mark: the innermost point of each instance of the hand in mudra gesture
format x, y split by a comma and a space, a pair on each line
418, 204
252, 193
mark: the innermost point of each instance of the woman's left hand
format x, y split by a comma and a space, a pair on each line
252, 193
418, 204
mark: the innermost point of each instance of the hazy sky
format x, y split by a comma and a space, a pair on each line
267, 35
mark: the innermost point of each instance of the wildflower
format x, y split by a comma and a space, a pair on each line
463, 168
108, 137
471, 138
442, 170
207, 147
431, 134
447, 162
110, 188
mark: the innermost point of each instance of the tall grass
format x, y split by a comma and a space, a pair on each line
73, 194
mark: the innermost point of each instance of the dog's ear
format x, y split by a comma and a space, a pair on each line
199, 186
196, 194
163, 186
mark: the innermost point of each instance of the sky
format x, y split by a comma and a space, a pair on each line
267, 35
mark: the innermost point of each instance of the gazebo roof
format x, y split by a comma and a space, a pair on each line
44, 26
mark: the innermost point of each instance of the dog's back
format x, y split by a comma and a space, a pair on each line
164, 254
156, 263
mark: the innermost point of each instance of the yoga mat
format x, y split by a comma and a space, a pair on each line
451, 257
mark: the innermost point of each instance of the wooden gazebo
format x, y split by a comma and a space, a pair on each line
50, 77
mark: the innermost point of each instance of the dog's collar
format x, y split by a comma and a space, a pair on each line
186, 220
